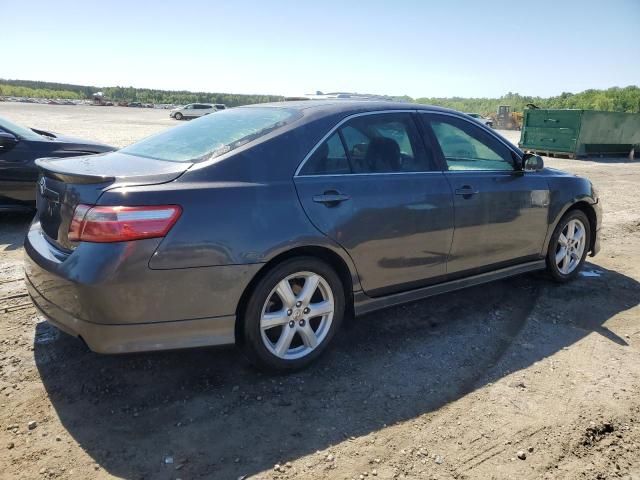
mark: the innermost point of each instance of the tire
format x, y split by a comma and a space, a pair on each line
292, 321
178, 116
564, 268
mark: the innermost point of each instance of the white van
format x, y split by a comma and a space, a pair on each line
194, 110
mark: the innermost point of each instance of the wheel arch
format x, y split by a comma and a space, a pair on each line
325, 254
589, 211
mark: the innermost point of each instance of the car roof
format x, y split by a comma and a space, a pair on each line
329, 107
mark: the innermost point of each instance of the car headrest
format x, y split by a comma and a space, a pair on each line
383, 155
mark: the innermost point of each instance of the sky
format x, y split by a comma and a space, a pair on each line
420, 48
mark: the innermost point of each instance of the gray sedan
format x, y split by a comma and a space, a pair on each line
266, 225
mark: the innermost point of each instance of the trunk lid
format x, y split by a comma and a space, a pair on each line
66, 182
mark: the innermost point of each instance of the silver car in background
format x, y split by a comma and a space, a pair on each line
194, 110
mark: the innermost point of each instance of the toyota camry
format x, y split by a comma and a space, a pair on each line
266, 225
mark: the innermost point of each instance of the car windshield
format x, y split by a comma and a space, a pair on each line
212, 135
22, 132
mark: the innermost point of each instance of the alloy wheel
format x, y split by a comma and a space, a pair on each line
297, 315
570, 246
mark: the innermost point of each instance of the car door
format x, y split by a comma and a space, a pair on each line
500, 211
189, 111
372, 186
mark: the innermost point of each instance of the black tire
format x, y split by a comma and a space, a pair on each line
252, 343
553, 249
178, 116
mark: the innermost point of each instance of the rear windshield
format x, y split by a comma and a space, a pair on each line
213, 134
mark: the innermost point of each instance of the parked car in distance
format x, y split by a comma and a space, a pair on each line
265, 225
484, 120
194, 110
19, 148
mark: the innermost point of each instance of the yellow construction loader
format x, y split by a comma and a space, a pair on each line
505, 119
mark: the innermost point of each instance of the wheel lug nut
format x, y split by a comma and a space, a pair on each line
292, 324
306, 310
302, 323
298, 304
289, 312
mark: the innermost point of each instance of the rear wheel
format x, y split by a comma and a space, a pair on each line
569, 246
292, 314
178, 116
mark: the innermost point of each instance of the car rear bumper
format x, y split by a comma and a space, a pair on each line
108, 295
137, 337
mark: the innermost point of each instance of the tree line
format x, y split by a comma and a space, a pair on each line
33, 89
613, 99
616, 99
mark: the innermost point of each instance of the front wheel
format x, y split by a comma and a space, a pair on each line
178, 116
569, 246
292, 315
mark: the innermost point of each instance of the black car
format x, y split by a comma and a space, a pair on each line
264, 225
19, 148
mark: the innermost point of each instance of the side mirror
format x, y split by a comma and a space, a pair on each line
532, 163
7, 141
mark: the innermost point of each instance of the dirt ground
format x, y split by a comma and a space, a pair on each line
453, 387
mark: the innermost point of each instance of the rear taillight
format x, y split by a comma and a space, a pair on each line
121, 224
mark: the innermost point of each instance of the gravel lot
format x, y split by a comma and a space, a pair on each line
517, 379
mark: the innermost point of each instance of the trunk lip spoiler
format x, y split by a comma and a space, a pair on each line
48, 168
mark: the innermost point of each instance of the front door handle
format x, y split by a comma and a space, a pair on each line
331, 198
467, 191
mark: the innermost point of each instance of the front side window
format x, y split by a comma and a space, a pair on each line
212, 135
465, 146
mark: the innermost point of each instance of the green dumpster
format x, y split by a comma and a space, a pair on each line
576, 133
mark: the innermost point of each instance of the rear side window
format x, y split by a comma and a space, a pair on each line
330, 158
384, 143
378, 143
212, 135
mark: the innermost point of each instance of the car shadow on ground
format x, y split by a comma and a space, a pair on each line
14, 227
219, 418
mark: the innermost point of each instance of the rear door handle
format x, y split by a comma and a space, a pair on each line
331, 199
466, 191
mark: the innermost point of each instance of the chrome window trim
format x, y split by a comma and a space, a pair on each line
333, 130
508, 172
318, 175
418, 111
